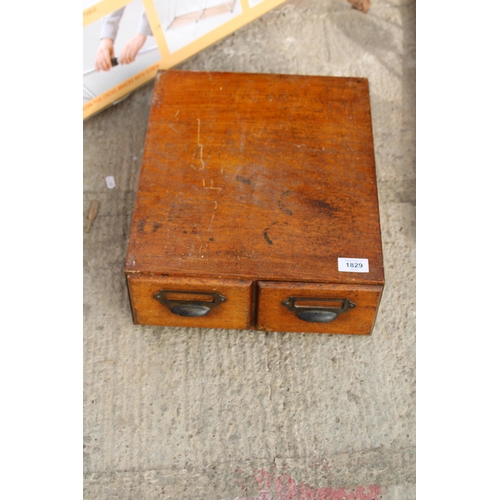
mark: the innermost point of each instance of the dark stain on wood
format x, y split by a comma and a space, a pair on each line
281, 203
322, 206
266, 233
148, 226
241, 179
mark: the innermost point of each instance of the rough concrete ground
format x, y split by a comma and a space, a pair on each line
188, 414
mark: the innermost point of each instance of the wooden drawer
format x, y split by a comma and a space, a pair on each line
254, 188
305, 307
206, 303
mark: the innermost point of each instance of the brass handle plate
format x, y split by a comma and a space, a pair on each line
315, 313
189, 308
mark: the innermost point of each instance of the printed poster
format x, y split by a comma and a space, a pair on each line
125, 42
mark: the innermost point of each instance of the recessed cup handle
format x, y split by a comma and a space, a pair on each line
189, 308
315, 313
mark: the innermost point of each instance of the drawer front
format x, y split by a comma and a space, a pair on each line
317, 308
205, 303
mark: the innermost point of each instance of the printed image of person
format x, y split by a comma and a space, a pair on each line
109, 30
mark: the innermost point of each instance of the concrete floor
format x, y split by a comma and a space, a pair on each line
189, 414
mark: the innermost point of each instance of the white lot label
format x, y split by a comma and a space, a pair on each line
110, 182
353, 265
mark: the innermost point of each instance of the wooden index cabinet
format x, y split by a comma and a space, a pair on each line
253, 192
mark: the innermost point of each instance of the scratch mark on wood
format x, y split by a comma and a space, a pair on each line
201, 244
200, 146
173, 128
213, 215
212, 186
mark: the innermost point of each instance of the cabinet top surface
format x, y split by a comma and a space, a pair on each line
257, 176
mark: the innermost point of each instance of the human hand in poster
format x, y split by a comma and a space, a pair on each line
105, 53
131, 48
109, 30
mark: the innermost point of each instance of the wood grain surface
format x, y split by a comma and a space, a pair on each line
248, 176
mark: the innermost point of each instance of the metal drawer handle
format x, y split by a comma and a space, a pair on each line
190, 308
317, 314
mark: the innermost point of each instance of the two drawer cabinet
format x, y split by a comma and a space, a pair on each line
257, 205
